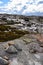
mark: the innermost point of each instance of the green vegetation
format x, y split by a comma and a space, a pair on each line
10, 35
4, 28
20, 32
5, 36
3, 18
10, 22
7, 21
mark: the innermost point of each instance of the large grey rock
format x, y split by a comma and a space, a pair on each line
3, 61
11, 49
18, 47
19, 44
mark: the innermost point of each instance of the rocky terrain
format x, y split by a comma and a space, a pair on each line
28, 23
27, 50
21, 40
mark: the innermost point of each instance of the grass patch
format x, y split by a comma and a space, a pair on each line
10, 35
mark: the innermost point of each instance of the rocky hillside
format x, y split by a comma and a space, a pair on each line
21, 40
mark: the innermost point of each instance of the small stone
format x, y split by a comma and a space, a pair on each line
27, 40
41, 44
10, 43
5, 46
3, 61
32, 51
5, 57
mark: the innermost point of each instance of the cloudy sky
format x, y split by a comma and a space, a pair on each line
23, 7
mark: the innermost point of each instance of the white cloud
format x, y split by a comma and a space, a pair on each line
33, 8
13, 6
1, 2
